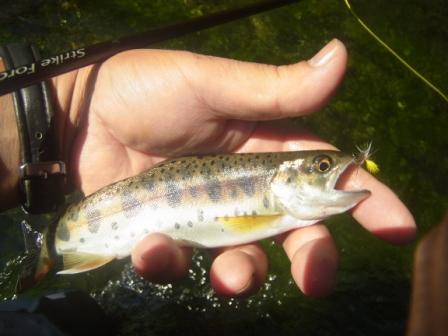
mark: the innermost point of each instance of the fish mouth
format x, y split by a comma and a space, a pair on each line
340, 176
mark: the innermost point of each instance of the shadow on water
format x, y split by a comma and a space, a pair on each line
379, 100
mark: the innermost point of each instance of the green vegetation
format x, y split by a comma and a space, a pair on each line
379, 101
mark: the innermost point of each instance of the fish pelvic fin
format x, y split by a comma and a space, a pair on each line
244, 224
77, 262
40, 257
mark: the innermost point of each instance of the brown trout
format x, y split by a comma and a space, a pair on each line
201, 201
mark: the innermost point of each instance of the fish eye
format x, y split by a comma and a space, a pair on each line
323, 163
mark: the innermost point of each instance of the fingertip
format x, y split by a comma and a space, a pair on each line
239, 272
401, 233
314, 267
159, 259
332, 50
382, 213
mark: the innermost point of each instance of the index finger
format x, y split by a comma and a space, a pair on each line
383, 213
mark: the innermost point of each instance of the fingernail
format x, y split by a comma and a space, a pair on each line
325, 54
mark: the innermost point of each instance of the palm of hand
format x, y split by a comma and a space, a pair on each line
133, 122
148, 105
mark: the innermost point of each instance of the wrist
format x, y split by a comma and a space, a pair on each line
67, 99
22, 122
9, 153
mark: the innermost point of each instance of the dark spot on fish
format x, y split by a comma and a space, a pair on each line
234, 192
177, 171
213, 188
266, 202
190, 223
200, 215
222, 230
177, 226
254, 213
93, 217
288, 180
227, 158
131, 205
74, 214
193, 191
212, 162
173, 194
162, 170
82, 240
114, 225
247, 184
216, 219
148, 184
226, 218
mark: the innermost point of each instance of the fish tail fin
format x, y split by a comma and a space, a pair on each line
40, 257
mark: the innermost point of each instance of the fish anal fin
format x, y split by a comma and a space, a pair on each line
248, 223
77, 262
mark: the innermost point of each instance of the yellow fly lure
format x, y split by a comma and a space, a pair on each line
363, 156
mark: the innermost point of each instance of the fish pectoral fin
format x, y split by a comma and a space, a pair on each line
77, 262
249, 223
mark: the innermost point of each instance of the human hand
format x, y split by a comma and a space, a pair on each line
142, 106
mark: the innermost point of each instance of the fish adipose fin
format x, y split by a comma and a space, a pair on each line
248, 223
77, 262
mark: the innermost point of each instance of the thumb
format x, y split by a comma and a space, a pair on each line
250, 91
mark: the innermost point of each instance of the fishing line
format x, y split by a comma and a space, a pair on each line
395, 54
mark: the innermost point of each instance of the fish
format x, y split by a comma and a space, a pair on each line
200, 201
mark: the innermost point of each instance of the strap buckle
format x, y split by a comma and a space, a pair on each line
42, 169
42, 186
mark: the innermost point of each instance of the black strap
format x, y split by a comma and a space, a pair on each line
42, 174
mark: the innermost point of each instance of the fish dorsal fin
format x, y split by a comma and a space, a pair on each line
249, 223
77, 262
